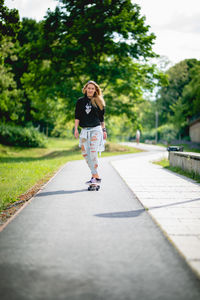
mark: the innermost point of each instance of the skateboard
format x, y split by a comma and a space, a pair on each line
93, 187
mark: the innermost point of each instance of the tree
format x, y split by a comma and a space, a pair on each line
27, 67
179, 101
101, 40
178, 117
10, 96
178, 77
191, 93
106, 41
9, 21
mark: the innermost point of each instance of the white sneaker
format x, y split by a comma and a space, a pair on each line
94, 180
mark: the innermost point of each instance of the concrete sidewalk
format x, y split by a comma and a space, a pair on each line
172, 200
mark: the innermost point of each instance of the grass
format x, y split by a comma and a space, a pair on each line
188, 148
165, 164
27, 169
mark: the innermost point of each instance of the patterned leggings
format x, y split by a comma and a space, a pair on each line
89, 148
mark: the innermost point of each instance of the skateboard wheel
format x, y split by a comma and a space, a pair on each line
93, 188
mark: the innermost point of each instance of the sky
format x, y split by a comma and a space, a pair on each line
176, 23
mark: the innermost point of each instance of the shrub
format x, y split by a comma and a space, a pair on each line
20, 136
167, 132
148, 135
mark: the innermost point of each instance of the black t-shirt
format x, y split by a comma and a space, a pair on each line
87, 114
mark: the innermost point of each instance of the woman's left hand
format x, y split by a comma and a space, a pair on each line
104, 135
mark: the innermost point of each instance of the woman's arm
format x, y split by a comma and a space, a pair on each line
76, 133
104, 130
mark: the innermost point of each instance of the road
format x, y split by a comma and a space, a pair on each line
69, 243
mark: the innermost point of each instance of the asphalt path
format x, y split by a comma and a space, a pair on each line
70, 243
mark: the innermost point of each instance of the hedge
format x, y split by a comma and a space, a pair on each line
20, 136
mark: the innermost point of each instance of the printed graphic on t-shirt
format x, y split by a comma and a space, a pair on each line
88, 108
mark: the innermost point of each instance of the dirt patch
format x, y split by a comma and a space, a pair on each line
112, 147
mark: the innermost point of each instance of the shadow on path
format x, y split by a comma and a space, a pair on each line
62, 192
173, 204
122, 214
137, 213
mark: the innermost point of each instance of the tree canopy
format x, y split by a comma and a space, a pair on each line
10, 106
105, 41
178, 102
9, 21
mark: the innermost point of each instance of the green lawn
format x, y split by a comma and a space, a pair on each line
188, 148
23, 168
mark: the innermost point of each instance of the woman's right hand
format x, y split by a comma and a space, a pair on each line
76, 133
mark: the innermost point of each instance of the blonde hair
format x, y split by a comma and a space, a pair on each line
97, 99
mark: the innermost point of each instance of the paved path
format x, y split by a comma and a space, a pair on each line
172, 200
68, 243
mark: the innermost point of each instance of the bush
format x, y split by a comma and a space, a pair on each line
20, 136
167, 132
112, 147
148, 135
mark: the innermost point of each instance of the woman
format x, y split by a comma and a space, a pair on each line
89, 114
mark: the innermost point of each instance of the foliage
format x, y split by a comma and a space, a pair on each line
179, 100
146, 114
120, 127
100, 41
63, 129
9, 21
10, 96
191, 93
167, 132
18, 136
178, 77
45, 64
179, 110
30, 72
148, 135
